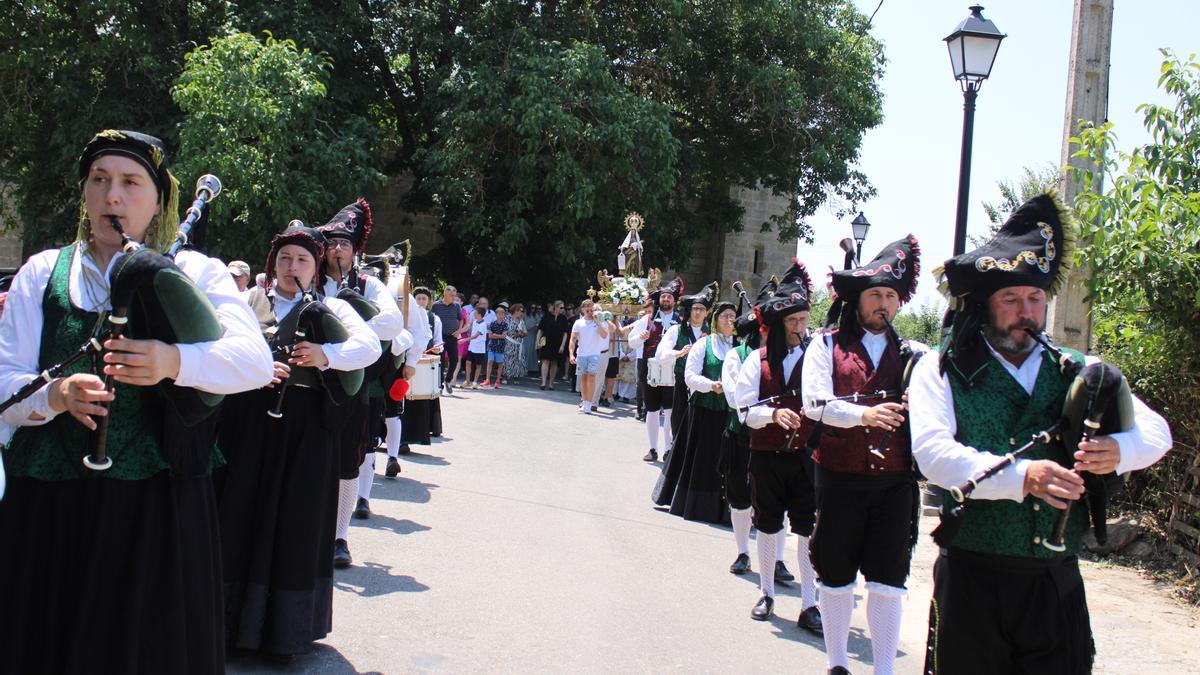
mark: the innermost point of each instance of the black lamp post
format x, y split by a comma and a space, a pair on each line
859, 227
973, 46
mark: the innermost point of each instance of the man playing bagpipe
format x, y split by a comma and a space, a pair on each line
866, 487
647, 333
781, 471
346, 235
112, 556
734, 462
987, 415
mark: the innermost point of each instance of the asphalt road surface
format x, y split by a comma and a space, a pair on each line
525, 541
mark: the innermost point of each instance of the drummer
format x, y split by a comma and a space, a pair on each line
422, 413
116, 571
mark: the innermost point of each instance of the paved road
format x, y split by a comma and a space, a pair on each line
525, 541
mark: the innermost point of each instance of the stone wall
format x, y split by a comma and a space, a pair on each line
393, 224
10, 240
750, 256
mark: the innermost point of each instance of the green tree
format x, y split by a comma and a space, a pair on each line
1143, 234
1033, 182
257, 115
758, 93
70, 69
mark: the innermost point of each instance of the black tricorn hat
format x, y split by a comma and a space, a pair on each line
674, 287
353, 222
707, 296
791, 295
897, 267
1031, 249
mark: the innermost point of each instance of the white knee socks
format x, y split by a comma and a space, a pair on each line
781, 544
884, 604
766, 563
668, 442
652, 420
808, 576
347, 498
366, 476
741, 528
837, 605
393, 436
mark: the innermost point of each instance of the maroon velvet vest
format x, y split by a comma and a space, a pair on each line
772, 437
848, 450
656, 334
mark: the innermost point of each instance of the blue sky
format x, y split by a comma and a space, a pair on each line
912, 157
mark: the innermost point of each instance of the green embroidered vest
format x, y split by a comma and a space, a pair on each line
995, 415
53, 451
735, 423
712, 371
684, 339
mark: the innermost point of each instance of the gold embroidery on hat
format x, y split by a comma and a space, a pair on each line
988, 263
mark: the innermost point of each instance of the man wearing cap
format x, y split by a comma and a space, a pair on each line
768, 388
647, 333
240, 272
866, 486
1003, 602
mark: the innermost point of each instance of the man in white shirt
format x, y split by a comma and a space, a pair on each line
866, 488
769, 390
1004, 601
589, 339
346, 236
646, 334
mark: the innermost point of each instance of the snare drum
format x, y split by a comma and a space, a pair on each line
426, 383
660, 372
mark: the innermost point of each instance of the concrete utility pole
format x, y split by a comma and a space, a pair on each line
1070, 320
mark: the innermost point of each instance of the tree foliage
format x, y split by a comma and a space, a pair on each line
1140, 217
256, 114
528, 127
70, 69
1033, 182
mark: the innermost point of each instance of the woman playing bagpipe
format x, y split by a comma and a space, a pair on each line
1004, 602
112, 560
690, 483
278, 493
866, 486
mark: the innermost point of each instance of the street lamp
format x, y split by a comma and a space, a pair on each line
973, 46
859, 227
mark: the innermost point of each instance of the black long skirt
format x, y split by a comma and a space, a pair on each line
690, 482
110, 576
679, 406
278, 501
421, 420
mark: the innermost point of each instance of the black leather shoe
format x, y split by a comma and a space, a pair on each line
810, 620
641, 417
651, 456
404, 449
741, 565
764, 609
838, 670
393, 468
666, 456
782, 575
341, 554
603, 403
362, 510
